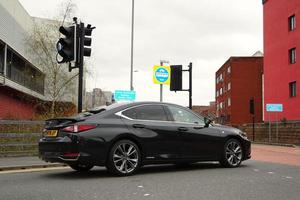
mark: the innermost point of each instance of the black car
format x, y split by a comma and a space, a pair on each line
124, 137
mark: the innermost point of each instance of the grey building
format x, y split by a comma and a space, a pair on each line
97, 98
23, 81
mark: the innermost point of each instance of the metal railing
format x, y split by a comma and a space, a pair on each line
19, 137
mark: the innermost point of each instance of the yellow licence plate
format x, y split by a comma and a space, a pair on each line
51, 133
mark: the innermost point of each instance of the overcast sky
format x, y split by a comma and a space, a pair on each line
204, 32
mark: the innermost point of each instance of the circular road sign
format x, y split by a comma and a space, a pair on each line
162, 75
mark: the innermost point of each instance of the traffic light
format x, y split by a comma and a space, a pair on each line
66, 46
176, 78
87, 41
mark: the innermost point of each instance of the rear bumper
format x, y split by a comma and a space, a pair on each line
62, 150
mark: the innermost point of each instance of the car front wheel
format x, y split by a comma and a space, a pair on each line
232, 154
124, 158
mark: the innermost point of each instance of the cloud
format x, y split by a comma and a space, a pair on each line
205, 32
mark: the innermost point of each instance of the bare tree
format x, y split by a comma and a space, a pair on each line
41, 43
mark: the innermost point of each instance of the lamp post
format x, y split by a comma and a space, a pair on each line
161, 85
132, 37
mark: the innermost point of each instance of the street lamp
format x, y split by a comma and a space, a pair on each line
131, 58
135, 71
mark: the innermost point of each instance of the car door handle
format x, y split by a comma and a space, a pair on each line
183, 129
139, 125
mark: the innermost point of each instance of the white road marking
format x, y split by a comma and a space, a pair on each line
288, 177
145, 195
270, 172
140, 186
256, 170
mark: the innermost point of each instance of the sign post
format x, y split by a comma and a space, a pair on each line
273, 108
162, 76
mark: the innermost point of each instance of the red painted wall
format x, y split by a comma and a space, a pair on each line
278, 73
246, 82
13, 107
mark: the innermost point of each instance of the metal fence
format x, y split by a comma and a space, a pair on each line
19, 138
274, 132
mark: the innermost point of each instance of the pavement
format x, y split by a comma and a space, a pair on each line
16, 163
265, 153
276, 154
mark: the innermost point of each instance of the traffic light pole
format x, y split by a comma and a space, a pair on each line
72, 48
176, 80
190, 86
80, 67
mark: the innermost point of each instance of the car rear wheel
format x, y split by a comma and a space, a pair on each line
233, 154
81, 167
124, 158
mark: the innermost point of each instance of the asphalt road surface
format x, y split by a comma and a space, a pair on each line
253, 180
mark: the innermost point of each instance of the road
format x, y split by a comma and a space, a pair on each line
253, 180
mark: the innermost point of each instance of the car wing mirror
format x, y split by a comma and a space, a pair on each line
207, 122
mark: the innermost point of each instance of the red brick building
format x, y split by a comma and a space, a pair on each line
237, 82
281, 65
206, 111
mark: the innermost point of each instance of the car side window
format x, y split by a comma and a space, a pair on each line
146, 112
182, 115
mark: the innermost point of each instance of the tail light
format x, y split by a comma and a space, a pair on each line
78, 128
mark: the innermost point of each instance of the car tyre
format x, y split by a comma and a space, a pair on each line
232, 154
81, 167
124, 158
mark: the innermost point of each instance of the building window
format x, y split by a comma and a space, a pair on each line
221, 77
221, 105
229, 102
221, 91
217, 93
229, 70
2, 49
293, 89
23, 73
292, 22
292, 55
228, 86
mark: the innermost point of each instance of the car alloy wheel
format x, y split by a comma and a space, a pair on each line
124, 158
233, 154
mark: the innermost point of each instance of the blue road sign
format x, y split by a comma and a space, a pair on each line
274, 107
125, 95
161, 75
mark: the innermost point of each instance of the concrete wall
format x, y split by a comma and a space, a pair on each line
15, 23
